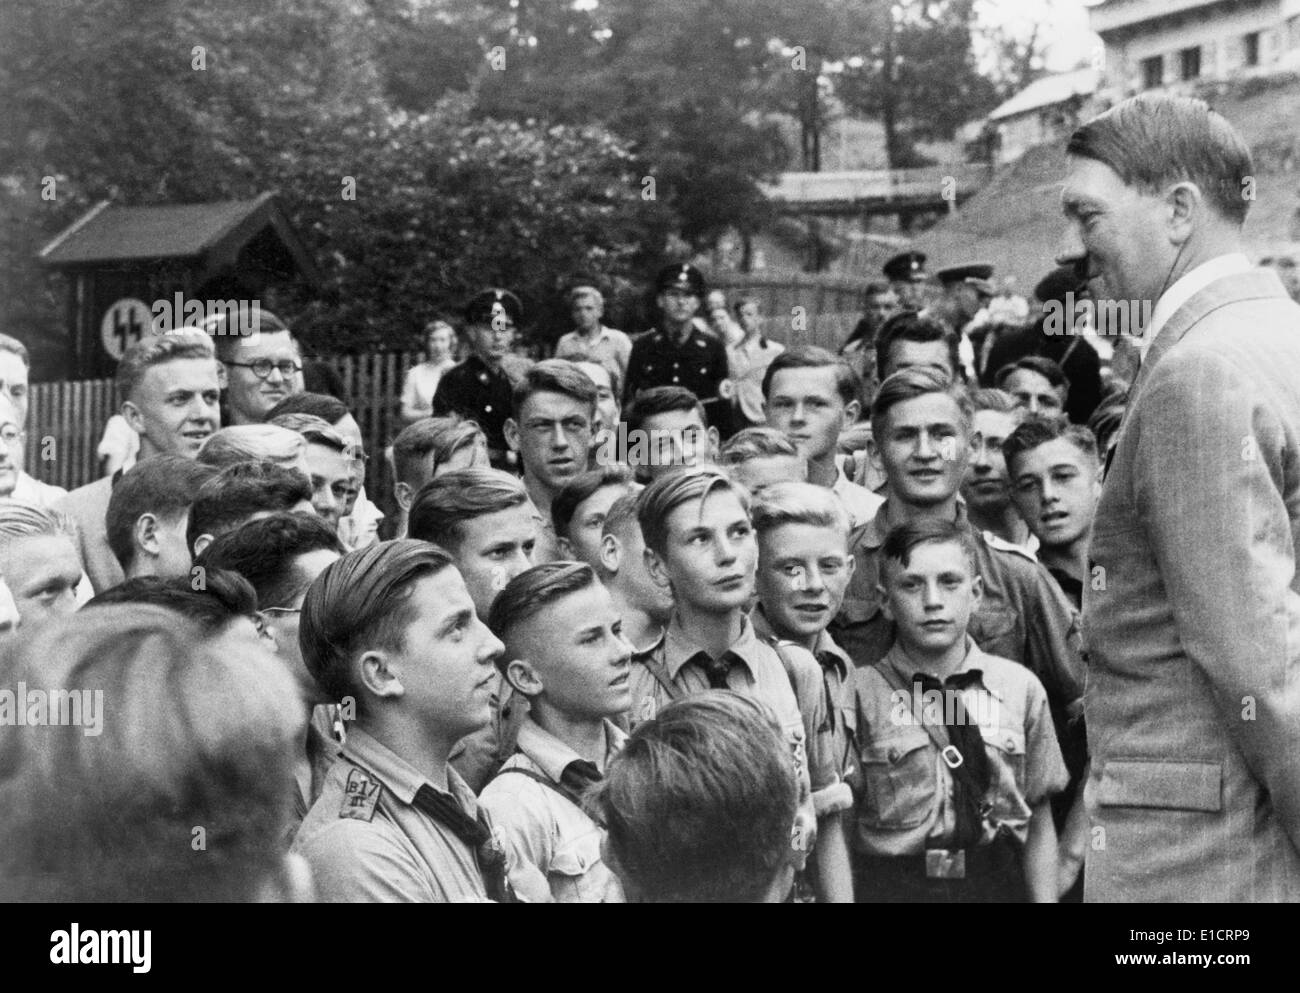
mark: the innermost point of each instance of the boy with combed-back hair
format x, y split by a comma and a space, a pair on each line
700, 545
565, 652
484, 518
803, 569
701, 804
391, 629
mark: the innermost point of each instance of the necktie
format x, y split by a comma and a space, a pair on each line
472, 831
716, 669
970, 778
828, 661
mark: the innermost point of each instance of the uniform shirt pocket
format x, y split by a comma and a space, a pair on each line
577, 873
1005, 747
898, 780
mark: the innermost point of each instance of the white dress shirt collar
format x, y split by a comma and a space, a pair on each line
1186, 287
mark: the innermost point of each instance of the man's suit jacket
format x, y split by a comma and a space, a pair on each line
88, 507
1192, 613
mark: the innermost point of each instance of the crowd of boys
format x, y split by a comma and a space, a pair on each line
693, 616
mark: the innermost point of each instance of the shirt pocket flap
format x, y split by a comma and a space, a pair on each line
1162, 785
577, 856
1009, 741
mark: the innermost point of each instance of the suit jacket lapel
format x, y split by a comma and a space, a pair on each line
1253, 285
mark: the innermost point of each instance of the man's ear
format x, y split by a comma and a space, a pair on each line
873, 453
402, 493
657, 568
715, 445
511, 431
144, 535
565, 548
131, 414
523, 677
851, 411
977, 592
1185, 204
223, 377
611, 553
380, 675
200, 543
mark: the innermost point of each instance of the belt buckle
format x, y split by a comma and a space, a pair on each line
940, 863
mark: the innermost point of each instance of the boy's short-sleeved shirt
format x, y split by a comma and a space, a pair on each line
905, 803
365, 841
610, 345
759, 672
859, 502
823, 687
1022, 616
553, 842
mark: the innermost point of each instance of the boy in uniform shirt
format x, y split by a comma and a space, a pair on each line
565, 653
391, 629
958, 752
700, 544
803, 568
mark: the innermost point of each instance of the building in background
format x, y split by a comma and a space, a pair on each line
1151, 44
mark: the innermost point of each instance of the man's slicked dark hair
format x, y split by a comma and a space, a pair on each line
264, 552
165, 486
239, 491
1155, 139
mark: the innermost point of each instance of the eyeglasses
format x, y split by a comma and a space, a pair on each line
262, 367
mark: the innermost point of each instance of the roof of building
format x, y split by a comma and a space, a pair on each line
111, 232
1048, 92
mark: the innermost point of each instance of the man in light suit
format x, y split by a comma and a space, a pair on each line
1192, 606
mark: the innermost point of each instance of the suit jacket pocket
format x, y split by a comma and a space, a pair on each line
1161, 785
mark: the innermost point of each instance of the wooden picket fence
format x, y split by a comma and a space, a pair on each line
66, 419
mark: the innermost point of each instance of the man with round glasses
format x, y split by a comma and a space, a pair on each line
261, 361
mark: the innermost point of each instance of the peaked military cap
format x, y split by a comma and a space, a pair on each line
906, 266
489, 303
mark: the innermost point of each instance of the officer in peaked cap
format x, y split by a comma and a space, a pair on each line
676, 352
966, 292
478, 388
906, 274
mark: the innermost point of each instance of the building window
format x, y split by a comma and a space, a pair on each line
1190, 61
1251, 49
1153, 72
